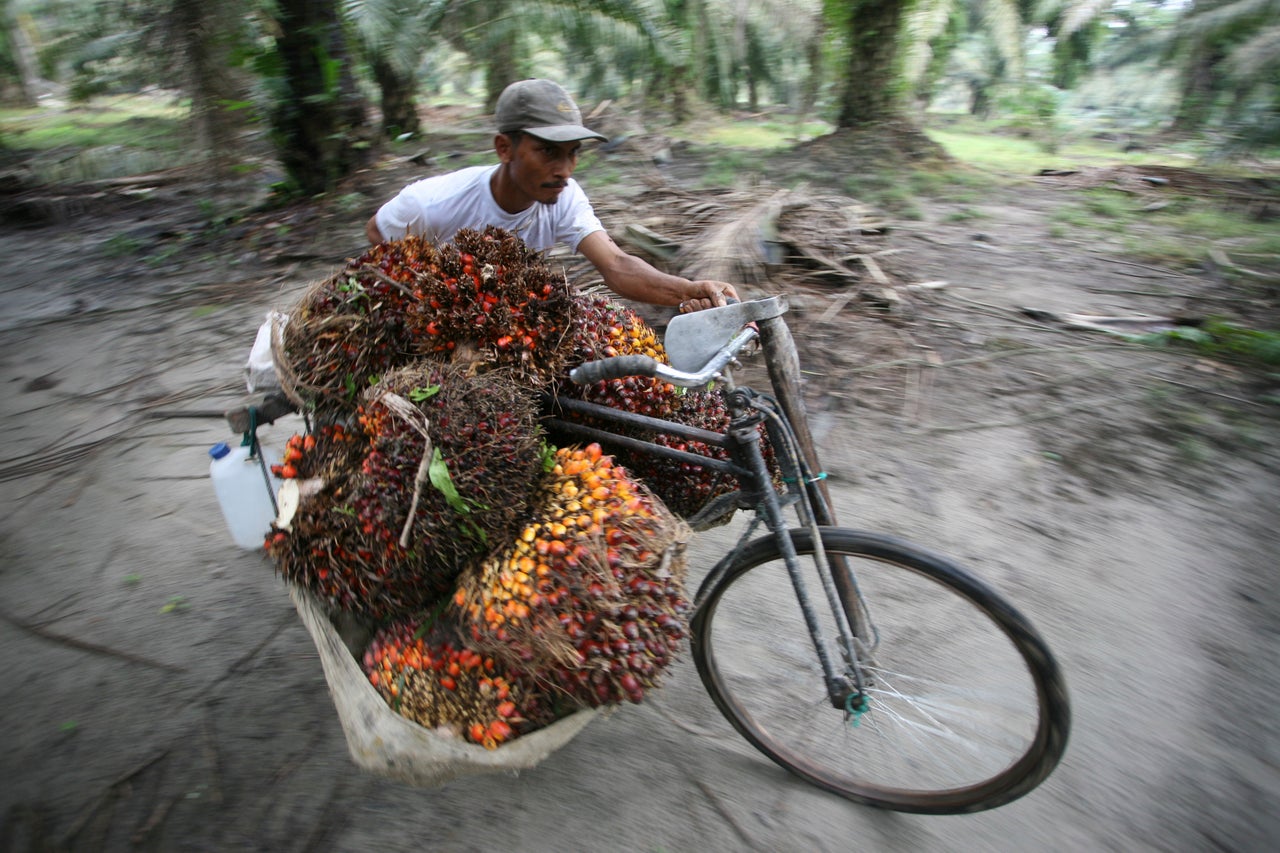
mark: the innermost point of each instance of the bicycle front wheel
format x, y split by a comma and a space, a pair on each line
966, 709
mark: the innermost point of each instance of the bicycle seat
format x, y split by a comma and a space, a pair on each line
692, 339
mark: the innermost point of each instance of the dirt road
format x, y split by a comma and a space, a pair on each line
159, 691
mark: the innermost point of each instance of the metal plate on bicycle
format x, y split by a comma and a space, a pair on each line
692, 339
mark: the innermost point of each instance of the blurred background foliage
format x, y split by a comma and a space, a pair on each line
321, 85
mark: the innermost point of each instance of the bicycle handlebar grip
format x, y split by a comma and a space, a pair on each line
613, 368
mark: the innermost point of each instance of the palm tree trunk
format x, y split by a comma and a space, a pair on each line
1200, 85
321, 117
203, 34
399, 109
30, 83
871, 87
501, 70
813, 55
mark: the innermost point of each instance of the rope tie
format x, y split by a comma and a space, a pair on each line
855, 712
250, 440
821, 475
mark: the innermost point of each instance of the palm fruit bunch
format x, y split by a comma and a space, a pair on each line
488, 298
443, 469
603, 329
437, 682
351, 327
451, 466
590, 597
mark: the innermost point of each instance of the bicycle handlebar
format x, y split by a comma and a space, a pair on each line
622, 366
617, 367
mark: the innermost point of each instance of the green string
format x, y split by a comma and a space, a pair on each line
855, 713
250, 438
821, 475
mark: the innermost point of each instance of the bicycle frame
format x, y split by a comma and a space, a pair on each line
747, 464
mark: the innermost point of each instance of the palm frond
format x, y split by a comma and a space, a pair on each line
1004, 22
1256, 57
924, 22
1205, 23
1079, 15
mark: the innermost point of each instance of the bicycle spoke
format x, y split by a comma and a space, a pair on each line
953, 708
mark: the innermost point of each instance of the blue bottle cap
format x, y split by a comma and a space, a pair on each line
219, 450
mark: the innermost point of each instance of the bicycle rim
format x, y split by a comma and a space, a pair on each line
966, 707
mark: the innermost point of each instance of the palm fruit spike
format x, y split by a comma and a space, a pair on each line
489, 296
323, 549
436, 682
606, 329
591, 595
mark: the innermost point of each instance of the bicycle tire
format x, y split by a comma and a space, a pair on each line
757, 660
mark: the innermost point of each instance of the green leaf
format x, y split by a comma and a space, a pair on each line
438, 473
548, 457
474, 531
417, 395
175, 602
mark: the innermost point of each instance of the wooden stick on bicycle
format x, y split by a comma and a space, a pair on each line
783, 362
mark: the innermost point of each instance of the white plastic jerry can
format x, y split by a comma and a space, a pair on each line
243, 493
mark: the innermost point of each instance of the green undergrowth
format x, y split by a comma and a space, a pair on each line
1017, 155
1222, 340
108, 138
1179, 232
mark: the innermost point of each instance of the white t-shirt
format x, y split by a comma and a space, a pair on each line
436, 208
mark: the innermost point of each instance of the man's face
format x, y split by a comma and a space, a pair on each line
539, 168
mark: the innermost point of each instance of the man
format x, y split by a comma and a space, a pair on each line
531, 192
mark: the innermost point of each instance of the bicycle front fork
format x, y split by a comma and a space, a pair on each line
844, 688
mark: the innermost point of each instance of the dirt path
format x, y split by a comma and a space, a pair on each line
161, 693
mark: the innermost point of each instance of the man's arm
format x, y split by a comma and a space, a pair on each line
633, 278
371, 230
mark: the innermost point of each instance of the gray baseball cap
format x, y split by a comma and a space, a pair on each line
543, 109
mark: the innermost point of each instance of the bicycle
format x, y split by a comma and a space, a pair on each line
869, 685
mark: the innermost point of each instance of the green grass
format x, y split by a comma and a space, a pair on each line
108, 137
1015, 155
964, 214
1182, 235
759, 136
1223, 340
730, 167
889, 191
117, 121
595, 173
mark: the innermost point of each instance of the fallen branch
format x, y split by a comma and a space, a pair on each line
714, 799
284, 622
157, 816
109, 792
85, 645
